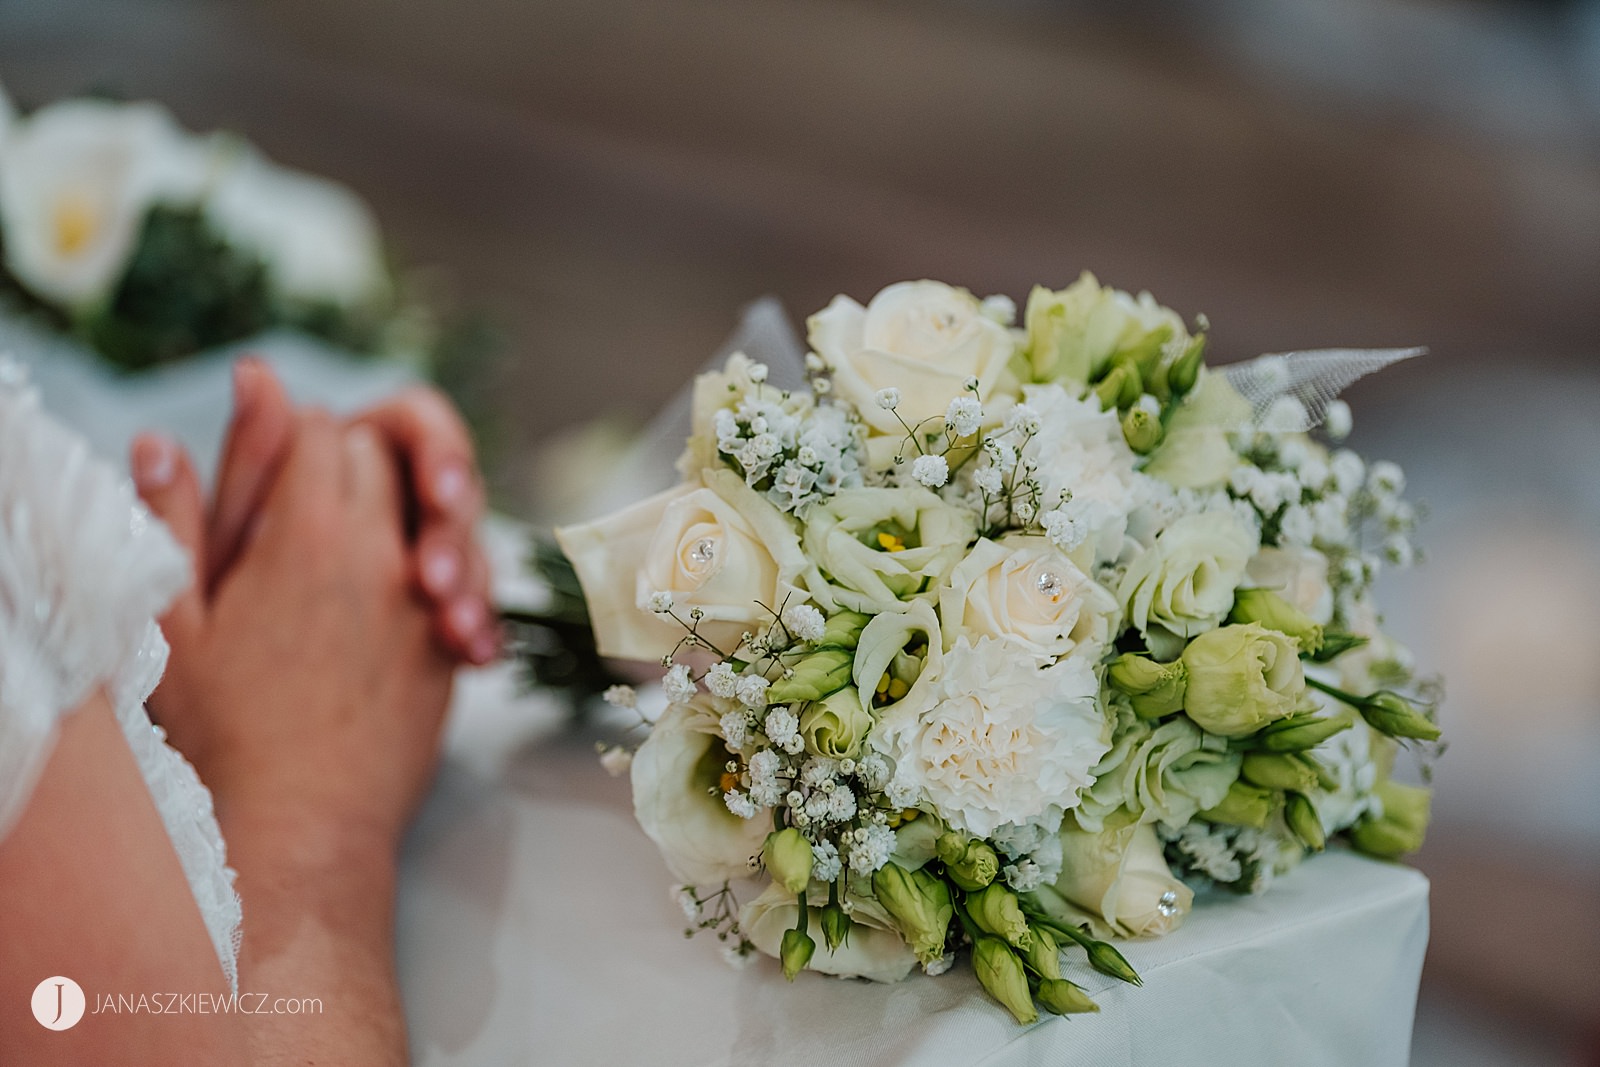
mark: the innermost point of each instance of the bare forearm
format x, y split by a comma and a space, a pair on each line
318, 924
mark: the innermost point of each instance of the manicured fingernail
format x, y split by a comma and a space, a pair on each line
155, 462
450, 485
466, 617
441, 566
484, 648
246, 376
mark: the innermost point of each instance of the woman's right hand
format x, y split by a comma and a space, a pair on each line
306, 686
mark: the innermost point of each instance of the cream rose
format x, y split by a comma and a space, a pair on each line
874, 949
76, 181
318, 239
873, 548
925, 339
1024, 588
1299, 575
718, 548
1183, 585
1121, 876
679, 805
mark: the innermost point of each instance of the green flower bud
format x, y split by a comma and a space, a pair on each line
1104, 958
843, 630
1337, 644
795, 952
1393, 714
1000, 972
1111, 388
1141, 430
787, 856
836, 726
1245, 805
1401, 827
1044, 955
970, 864
919, 903
1303, 821
1154, 689
822, 672
1060, 997
1242, 678
1277, 770
1275, 613
1185, 370
1299, 732
835, 927
997, 911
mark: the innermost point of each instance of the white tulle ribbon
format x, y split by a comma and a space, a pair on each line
1289, 392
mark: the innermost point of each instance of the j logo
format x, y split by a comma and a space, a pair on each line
58, 1003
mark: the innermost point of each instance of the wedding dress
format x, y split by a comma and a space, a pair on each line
84, 571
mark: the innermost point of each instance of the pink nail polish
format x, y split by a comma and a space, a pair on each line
155, 462
466, 617
450, 486
440, 570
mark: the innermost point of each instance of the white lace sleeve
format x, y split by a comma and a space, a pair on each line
84, 570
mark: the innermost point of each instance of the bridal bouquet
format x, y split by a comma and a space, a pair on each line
149, 244
1000, 639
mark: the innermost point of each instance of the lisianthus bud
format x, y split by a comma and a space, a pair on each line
843, 630
1335, 645
1245, 805
1141, 430
1154, 689
1275, 613
1278, 770
1000, 972
1185, 370
837, 725
1044, 955
997, 911
1060, 997
970, 864
920, 906
1111, 388
822, 672
1393, 714
1300, 732
1303, 821
1241, 678
796, 952
787, 856
835, 927
1401, 827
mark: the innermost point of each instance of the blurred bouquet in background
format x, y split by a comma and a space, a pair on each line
149, 244
1004, 638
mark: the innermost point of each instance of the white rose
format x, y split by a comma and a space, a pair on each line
1024, 588
678, 802
1081, 449
1299, 575
925, 339
873, 548
995, 740
76, 181
719, 548
1194, 452
1121, 876
874, 949
318, 239
1183, 585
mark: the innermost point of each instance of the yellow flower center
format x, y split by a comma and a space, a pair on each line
890, 543
75, 221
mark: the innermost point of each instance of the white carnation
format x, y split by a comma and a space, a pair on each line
999, 741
